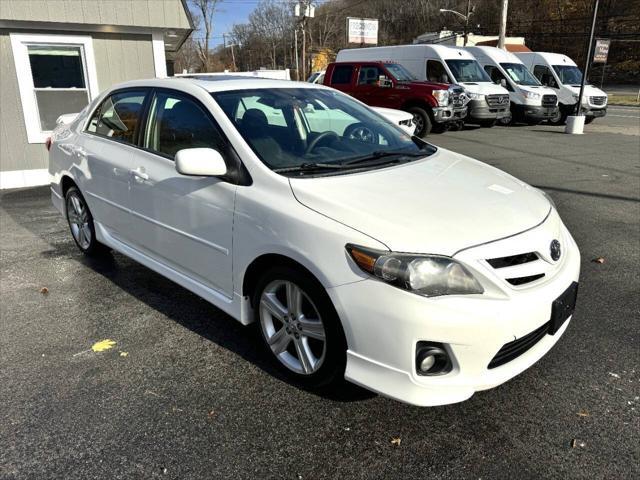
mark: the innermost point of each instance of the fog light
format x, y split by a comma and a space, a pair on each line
432, 359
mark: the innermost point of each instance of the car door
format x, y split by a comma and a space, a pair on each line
183, 222
368, 88
106, 147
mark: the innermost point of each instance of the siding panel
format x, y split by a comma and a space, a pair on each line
142, 13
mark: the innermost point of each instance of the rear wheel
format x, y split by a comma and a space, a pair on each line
300, 327
81, 223
422, 120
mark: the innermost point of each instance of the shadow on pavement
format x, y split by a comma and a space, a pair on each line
159, 293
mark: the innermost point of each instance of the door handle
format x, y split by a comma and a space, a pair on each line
139, 173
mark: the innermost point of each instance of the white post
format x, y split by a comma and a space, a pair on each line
159, 60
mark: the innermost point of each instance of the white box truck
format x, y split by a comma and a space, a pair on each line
437, 63
560, 73
531, 102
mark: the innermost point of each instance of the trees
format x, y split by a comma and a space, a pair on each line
204, 13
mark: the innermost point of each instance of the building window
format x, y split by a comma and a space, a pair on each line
56, 75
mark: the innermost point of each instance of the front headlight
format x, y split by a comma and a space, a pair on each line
532, 95
428, 275
475, 96
442, 96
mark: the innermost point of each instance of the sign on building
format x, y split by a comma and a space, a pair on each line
362, 30
601, 52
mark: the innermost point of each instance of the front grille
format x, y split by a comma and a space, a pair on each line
598, 100
512, 260
549, 100
458, 97
513, 350
498, 101
524, 280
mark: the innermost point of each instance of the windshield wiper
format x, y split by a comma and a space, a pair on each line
384, 153
310, 166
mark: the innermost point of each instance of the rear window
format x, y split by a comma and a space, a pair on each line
342, 75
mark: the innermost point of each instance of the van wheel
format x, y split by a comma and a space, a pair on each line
300, 327
423, 122
560, 116
506, 121
81, 224
588, 120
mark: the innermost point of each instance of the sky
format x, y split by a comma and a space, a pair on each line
227, 13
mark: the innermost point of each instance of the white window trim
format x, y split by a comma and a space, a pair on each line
159, 59
19, 43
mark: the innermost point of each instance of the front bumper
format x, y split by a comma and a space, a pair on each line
383, 324
534, 112
479, 110
449, 114
596, 112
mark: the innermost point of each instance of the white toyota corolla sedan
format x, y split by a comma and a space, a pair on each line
411, 270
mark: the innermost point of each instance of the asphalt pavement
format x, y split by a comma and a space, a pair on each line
185, 393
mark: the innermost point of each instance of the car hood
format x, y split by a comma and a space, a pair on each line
440, 205
484, 88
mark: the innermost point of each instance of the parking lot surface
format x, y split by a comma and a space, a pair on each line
186, 393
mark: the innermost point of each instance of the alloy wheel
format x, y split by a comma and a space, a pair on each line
292, 327
78, 216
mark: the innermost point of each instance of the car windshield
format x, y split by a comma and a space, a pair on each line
313, 77
568, 74
467, 71
400, 73
519, 74
310, 129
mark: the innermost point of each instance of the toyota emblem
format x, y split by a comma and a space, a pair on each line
555, 250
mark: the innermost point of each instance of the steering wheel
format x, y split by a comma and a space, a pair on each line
361, 133
319, 138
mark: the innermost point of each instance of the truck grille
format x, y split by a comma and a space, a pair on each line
599, 101
549, 100
458, 97
498, 101
512, 350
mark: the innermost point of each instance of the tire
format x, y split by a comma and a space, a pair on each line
423, 121
291, 334
487, 123
81, 224
560, 118
588, 120
456, 126
506, 121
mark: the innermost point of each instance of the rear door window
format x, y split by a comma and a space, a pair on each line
342, 75
118, 116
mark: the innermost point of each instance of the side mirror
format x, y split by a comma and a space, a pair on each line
503, 82
384, 82
201, 162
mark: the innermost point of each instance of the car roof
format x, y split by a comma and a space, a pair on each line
216, 83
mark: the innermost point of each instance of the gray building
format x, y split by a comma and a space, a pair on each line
57, 55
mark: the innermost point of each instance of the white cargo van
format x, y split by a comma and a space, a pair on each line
530, 101
437, 63
560, 73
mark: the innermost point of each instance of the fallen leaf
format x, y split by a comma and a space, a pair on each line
583, 413
211, 415
577, 443
598, 260
124, 354
614, 375
44, 290
396, 441
103, 345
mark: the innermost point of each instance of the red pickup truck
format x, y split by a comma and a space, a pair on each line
435, 106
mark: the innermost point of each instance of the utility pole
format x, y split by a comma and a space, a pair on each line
587, 61
503, 23
466, 23
304, 10
233, 55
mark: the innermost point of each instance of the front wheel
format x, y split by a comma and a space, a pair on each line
487, 123
300, 327
81, 224
422, 120
588, 120
559, 118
